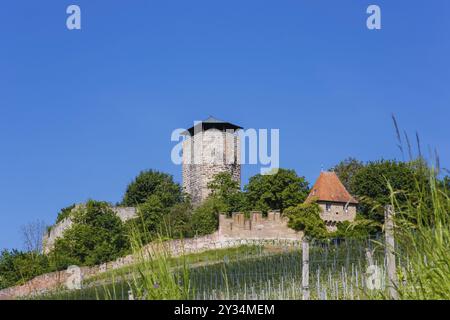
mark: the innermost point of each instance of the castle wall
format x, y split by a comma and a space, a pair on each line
57, 231
274, 226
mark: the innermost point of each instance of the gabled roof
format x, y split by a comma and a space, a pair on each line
328, 187
211, 123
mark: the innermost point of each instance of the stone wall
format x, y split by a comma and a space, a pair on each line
54, 233
57, 231
274, 226
43, 284
51, 281
337, 212
232, 232
206, 154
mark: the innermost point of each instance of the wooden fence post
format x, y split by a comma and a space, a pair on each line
305, 268
390, 252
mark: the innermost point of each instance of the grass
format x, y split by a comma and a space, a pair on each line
338, 269
246, 272
424, 242
205, 257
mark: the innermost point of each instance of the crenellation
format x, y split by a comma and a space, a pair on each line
256, 227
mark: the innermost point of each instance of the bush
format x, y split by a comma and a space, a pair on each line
152, 183
177, 223
205, 219
17, 267
361, 228
96, 236
306, 217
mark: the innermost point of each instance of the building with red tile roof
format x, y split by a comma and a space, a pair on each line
336, 202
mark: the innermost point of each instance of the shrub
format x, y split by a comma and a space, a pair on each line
17, 267
306, 217
96, 236
177, 223
205, 219
361, 228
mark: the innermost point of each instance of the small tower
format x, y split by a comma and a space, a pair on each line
336, 203
211, 147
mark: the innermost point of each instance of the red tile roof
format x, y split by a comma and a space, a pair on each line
328, 187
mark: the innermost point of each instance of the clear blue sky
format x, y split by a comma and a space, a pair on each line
82, 112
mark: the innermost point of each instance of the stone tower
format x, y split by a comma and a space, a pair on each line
211, 147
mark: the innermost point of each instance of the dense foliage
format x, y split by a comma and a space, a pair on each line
227, 190
306, 217
371, 185
177, 223
152, 183
17, 267
346, 170
205, 219
96, 236
277, 191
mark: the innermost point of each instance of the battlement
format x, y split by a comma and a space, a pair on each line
274, 226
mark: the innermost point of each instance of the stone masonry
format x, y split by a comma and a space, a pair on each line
207, 153
57, 231
333, 213
274, 226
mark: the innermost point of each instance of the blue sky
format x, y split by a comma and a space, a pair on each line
82, 112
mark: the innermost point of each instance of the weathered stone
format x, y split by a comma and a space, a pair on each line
206, 154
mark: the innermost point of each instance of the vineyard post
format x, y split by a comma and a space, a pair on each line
305, 268
390, 252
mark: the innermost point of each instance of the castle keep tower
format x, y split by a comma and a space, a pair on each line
211, 147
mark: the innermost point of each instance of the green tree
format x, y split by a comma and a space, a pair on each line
346, 170
227, 190
371, 185
152, 183
177, 223
360, 228
205, 218
149, 221
306, 217
17, 267
277, 191
97, 235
